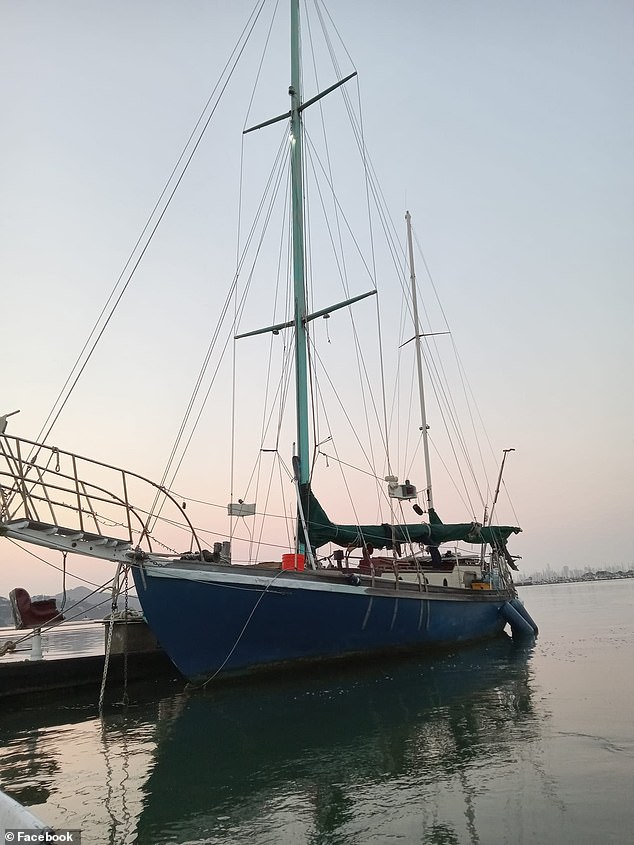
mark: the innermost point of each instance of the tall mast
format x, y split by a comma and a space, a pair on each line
301, 461
419, 364
299, 286
300, 316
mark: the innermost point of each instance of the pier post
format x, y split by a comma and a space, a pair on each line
36, 645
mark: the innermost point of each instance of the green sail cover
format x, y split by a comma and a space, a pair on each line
321, 531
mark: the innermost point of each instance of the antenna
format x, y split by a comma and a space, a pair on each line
497, 488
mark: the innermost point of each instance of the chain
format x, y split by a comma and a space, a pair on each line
125, 700
113, 610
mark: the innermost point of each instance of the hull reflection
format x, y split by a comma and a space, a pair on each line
317, 754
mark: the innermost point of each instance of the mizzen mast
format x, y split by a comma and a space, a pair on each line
419, 366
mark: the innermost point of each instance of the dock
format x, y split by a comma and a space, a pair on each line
135, 656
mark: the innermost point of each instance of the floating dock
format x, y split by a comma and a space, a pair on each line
135, 656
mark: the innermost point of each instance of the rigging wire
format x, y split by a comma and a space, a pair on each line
270, 189
52, 565
359, 133
264, 428
233, 327
368, 457
341, 267
244, 627
449, 415
370, 191
238, 238
174, 179
447, 406
449, 418
277, 398
470, 398
56, 621
313, 156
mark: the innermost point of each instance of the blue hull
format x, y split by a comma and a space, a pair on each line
210, 624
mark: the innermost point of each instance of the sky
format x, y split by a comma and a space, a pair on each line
507, 130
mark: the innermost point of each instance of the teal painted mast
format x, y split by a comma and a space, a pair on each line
299, 280
301, 318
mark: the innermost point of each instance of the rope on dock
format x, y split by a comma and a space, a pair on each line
8, 645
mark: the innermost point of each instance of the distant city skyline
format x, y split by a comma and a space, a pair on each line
566, 573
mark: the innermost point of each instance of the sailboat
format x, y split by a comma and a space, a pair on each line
215, 617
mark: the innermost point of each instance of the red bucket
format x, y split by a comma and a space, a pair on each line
293, 561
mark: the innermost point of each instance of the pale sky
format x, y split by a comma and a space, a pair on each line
507, 129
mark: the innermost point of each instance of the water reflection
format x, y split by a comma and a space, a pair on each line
352, 754
75, 769
489, 745
320, 758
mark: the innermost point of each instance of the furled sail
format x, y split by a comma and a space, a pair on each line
321, 531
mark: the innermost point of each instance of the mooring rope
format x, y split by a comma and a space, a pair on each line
244, 627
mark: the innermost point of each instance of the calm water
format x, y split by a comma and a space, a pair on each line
488, 745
